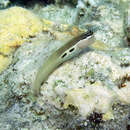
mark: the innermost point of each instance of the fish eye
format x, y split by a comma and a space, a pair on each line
71, 50
64, 55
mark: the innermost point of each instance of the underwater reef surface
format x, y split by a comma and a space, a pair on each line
90, 91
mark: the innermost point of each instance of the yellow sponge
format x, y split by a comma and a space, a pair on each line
16, 25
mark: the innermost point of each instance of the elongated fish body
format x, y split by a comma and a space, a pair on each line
66, 52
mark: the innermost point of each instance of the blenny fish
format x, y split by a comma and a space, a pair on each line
65, 52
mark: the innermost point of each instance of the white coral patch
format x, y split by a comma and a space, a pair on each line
89, 99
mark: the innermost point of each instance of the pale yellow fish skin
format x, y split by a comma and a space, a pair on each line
65, 52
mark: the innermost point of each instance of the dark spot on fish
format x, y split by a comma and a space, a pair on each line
64, 55
71, 50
